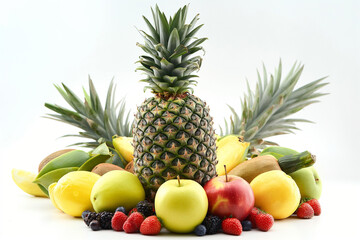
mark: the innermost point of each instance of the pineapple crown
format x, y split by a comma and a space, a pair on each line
169, 61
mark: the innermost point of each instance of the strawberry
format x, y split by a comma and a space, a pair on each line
118, 220
314, 203
133, 223
305, 211
150, 226
254, 211
264, 221
231, 226
132, 211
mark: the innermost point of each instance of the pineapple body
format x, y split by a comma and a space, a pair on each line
173, 136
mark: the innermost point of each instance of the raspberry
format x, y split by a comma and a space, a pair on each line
118, 220
232, 226
150, 226
133, 223
305, 211
264, 221
314, 203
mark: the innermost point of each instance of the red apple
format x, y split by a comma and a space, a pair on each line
229, 196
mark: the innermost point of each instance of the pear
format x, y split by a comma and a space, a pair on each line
115, 189
308, 181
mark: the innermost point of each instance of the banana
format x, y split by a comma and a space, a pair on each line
231, 151
123, 145
278, 151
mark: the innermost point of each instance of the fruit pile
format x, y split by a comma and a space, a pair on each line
168, 168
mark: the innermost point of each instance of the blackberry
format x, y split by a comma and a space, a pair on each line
95, 225
212, 224
105, 220
146, 208
246, 225
200, 230
90, 217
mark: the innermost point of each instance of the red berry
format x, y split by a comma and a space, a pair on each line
231, 226
133, 223
314, 203
254, 211
132, 211
264, 221
150, 226
305, 211
118, 221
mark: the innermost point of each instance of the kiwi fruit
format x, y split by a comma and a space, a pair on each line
103, 168
52, 156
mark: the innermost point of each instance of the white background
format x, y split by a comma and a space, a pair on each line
48, 42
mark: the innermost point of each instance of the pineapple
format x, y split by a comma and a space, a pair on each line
265, 111
97, 124
173, 131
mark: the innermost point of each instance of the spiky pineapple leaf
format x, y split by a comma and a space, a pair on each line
98, 124
265, 110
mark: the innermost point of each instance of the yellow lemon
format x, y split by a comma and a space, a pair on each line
276, 193
24, 180
72, 192
51, 194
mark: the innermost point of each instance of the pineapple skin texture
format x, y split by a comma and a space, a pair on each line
173, 137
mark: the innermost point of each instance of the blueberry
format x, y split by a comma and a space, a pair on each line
246, 225
84, 214
95, 225
120, 209
200, 230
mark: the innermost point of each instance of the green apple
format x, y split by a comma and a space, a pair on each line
181, 205
308, 181
116, 188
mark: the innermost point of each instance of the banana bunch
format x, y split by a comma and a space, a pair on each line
75, 160
231, 151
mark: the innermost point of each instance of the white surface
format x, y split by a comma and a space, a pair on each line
24, 216
47, 42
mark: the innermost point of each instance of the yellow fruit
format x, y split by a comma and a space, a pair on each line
123, 145
276, 193
51, 194
230, 152
24, 180
72, 192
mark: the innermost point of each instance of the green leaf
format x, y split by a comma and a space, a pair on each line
53, 176
92, 162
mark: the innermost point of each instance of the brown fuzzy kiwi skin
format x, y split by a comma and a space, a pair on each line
251, 168
103, 168
130, 167
52, 156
